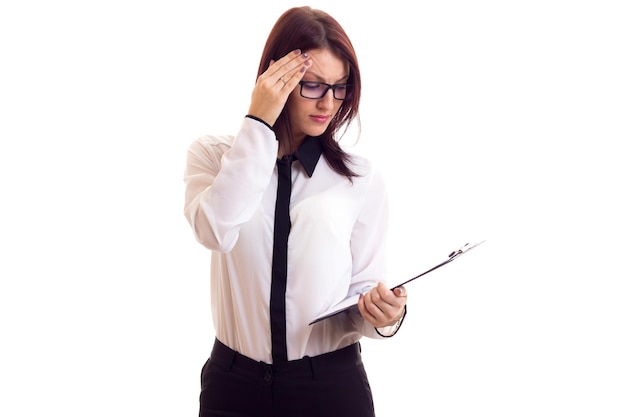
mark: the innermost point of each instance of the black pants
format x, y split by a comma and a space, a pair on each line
330, 385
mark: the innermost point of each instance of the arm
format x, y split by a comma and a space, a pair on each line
381, 310
225, 185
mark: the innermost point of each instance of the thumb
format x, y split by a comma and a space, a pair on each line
399, 292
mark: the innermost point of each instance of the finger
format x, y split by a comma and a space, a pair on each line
374, 304
293, 56
391, 296
278, 68
385, 294
399, 291
289, 82
387, 302
363, 309
292, 70
367, 315
374, 314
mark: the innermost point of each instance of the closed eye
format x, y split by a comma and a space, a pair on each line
312, 85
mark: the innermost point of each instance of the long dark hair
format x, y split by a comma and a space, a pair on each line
306, 29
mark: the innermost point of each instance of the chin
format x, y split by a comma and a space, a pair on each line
316, 132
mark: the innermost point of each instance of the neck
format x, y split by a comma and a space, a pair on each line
286, 147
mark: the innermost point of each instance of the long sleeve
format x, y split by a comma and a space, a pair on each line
368, 248
225, 180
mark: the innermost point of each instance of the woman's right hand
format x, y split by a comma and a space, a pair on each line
274, 86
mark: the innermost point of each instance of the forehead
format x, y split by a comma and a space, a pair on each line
326, 66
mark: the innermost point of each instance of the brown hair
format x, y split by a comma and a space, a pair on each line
305, 28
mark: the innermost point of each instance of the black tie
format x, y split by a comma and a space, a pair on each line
282, 225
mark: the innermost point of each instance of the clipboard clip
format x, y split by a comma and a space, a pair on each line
463, 249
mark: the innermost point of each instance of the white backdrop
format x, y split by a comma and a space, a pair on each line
493, 120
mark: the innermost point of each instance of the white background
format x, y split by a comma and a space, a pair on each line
494, 120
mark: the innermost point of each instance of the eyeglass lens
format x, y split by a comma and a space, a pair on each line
319, 90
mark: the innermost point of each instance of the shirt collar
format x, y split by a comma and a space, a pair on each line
309, 153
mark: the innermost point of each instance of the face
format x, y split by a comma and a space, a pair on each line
311, 117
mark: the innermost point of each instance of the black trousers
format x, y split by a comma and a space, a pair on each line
334, 384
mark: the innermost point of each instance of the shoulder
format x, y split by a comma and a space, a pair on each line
207, 151
212, 141
365, 168
210, 145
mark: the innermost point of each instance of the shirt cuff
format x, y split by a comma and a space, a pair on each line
390, 331
260, 120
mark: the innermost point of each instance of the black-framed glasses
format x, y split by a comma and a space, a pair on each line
315, 90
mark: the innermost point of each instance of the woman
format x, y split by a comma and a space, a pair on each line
295, 224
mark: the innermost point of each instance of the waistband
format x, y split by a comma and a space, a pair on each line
313, 367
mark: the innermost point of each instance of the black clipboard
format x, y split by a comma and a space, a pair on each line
352, 301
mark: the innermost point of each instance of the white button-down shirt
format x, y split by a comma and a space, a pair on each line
336, 243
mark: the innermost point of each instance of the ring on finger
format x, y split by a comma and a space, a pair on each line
284, 82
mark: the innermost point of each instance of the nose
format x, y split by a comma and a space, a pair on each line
326, 100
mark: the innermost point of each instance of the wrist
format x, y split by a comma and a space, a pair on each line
392, 328
398, 321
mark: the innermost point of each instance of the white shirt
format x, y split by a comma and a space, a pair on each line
336, 243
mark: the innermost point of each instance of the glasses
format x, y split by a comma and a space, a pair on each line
314, 90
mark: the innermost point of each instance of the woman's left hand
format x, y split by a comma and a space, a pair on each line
381, 306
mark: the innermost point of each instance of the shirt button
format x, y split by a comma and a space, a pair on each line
268, 375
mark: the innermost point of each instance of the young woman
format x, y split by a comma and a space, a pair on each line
295, 224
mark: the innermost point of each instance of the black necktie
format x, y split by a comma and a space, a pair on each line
282, 225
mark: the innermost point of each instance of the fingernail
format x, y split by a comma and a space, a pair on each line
305, 55
297, 52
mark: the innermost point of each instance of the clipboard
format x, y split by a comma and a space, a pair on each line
352, 301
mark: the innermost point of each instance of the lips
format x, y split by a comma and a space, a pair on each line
320, 118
